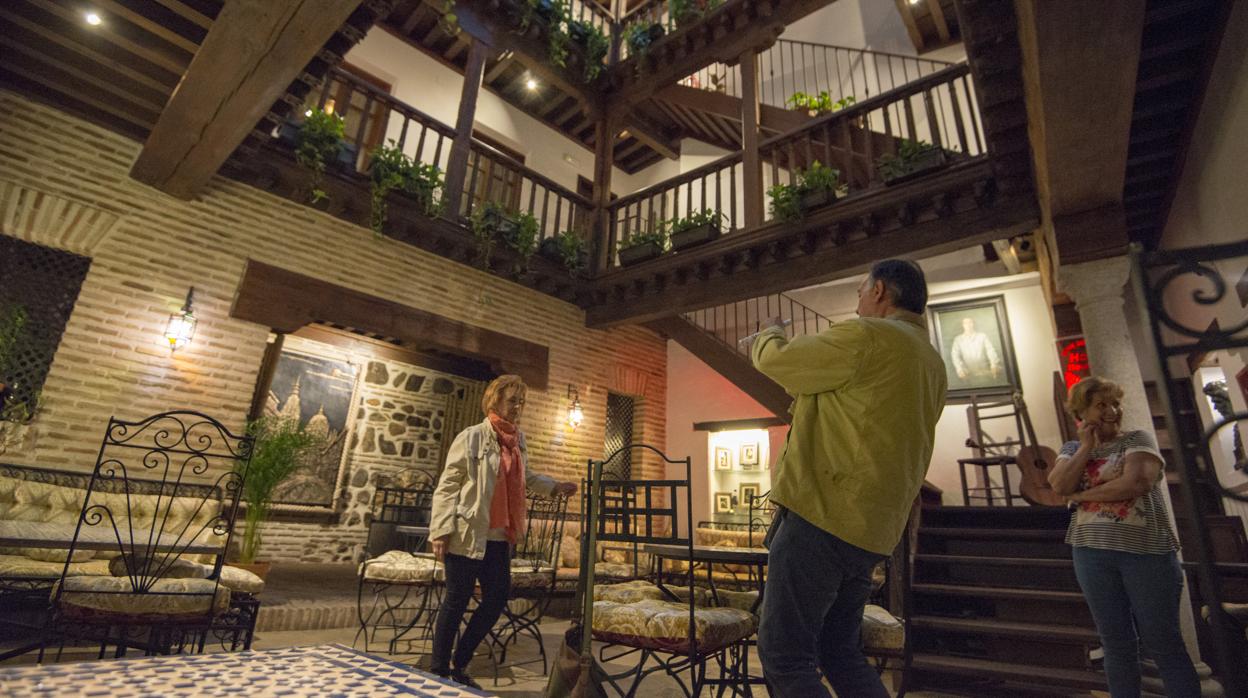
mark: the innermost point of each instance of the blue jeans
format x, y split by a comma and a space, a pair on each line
1120, 587
817, 586
463, 574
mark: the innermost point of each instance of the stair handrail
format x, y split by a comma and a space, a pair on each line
748, 316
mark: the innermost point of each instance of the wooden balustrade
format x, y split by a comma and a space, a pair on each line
789, 67
373, 117
732, 322
938, 109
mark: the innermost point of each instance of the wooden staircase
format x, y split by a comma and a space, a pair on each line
996, 608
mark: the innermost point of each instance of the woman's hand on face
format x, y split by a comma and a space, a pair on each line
566, 489
1089, 435
439, 547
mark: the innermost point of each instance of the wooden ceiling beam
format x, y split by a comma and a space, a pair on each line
651, 133
42, 76
186, 12
500, 66
114, 87
912, 27
151, 27
250, 56
175, 64
942, 24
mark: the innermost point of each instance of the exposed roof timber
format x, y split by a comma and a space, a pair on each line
165, 57
912, 27
187, 12
770, 118
251, 55
652, 134
152, 27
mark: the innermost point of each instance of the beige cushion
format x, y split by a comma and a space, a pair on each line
108, 595
526, 574
614, 570
241, 580
400, 567
664, 625
570, 551
743, 600
880, 630
57, 554
165, 569
22, 567
628, 592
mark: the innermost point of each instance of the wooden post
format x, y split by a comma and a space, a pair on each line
264, 381
752, 176
604, 159
457, 166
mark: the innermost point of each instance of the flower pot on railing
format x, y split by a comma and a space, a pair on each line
549, 248
640, 253
693, 237
288, 132
816, 199
656, 32
348, 153
917, 166
578, 32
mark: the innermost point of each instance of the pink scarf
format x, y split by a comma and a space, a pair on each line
507, 507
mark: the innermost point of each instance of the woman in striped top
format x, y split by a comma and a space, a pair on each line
1123, 547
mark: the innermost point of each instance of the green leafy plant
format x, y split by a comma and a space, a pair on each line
13, 319
908, 153
695, 220
686, 12
638, 37
596, 47
558, 41
523, 239
786, 199
657, 236
281, 445
718, 83
317, 145
390, 169
570, 248
486, 221
449, 21
819, 104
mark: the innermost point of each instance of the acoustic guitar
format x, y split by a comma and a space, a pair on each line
1035, 462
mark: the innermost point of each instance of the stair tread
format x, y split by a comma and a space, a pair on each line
969, 532
996, 560
997, 592
994, 626
1009, 671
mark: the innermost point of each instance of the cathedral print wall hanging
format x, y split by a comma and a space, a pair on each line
319, 392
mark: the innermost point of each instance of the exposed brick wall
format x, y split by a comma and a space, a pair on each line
65, 183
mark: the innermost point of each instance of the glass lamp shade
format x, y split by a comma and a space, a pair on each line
575, 415
180, 330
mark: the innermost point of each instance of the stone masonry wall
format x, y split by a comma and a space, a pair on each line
64, 183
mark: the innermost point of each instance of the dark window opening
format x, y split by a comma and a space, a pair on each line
619, 433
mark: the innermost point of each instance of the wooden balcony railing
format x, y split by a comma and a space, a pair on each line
789, 67
373, 117
732, 322
938, 109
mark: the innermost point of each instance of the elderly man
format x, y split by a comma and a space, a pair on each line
867, 395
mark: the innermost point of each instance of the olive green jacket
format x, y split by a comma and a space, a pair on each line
866, 397
461, 501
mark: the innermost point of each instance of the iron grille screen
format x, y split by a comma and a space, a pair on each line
619, 433
38, 288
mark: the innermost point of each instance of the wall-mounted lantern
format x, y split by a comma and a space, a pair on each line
575, 414
181, 327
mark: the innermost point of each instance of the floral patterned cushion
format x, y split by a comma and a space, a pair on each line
526, 574
22, 567
241, 580
880, 630
743, 600
107, 595
663, 625
400, 567
614, 570
628, 592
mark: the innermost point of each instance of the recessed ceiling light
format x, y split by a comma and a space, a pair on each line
308, 113
915, 2
93, 19
531, 84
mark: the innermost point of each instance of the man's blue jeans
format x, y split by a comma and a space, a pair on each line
817, 586
1120, 587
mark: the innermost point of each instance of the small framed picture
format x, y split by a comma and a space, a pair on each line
723, 502
723, 458
747, 492
749, 455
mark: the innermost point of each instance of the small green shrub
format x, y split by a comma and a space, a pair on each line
570, 247
786, 198
317, 145
695, 220
894, 166
596, 48
657, 236
819, 104
390, 169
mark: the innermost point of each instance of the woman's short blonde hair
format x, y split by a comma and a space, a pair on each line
1085, 391
500, 389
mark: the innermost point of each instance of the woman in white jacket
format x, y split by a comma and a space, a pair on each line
478, 515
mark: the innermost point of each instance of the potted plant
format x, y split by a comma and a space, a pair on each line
596, 47
913, 159
643, 246
820, 104
812, 188
390, 169
566, 248
281, 444
698, 228
318, 144
522, 239
578, 32
491, 222
640, 35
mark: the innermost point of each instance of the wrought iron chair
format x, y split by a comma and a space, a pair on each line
533, 571
886, 631
397, 580
159, 597
663, 635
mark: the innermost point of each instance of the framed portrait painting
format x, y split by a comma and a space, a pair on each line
723, 502
973, 338
723, 458
747, 492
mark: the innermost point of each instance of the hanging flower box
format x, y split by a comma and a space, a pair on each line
640, 253
817, 198
914, 166
693, 237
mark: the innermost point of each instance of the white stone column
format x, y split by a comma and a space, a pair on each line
1097, 288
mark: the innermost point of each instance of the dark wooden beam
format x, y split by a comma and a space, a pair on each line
655, 136
500, 66
752, 166
117, 87
286, 301
187, 12
942, 24
912, 27
457, 163
604, 159
252, 53
170, 60
772, 119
